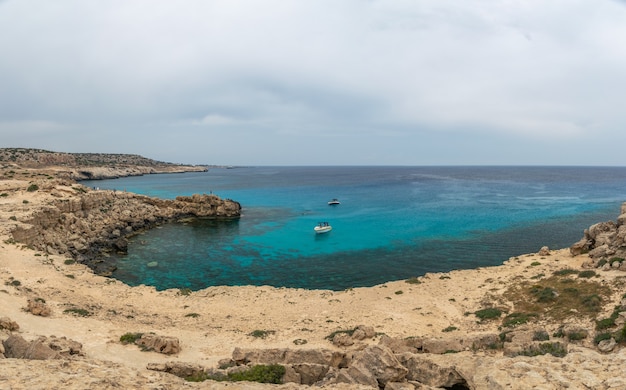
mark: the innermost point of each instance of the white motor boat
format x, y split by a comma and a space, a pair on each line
322, 227
333, 202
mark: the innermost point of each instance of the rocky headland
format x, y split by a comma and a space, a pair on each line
553, 319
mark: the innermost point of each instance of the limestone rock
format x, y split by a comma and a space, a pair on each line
93, 223
360, 333
242, 356
378, 362
309, 373
423, 369
38, 307
607, 345
41, 349
544, 251
604, 240
412, 345
162, 344
7, 324
180, 369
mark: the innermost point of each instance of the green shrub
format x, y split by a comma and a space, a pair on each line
32, 188
515, 319
130, 338
535, 263
575, 336
488, 314
601, 337
184, 291
555, 349
605, 323
541, 335
260, 373
587, 274
565, 271
546, 294
449, 329
77, 311
261, 334
413, 280
592, 302
272, 373
349, 332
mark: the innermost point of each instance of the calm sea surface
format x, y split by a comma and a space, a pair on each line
393, 222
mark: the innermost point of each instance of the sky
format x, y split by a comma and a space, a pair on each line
318, 82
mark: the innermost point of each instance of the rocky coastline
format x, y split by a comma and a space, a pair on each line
553, 319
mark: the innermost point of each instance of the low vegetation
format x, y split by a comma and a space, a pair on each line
555, 349
349, 332
130, 338
489, 313
261, 334
77, 311
557, 298
261, 373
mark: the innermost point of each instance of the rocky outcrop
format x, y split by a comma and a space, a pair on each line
605, 242
38, 307
90, 224
42, 348
7, 324
163, 344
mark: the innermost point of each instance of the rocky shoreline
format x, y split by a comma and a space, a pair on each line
92, 224
552, 319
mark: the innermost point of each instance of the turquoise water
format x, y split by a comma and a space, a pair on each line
392, 223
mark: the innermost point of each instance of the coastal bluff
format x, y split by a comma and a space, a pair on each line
553, 319
90, 166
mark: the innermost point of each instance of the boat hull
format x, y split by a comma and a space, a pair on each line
322, 229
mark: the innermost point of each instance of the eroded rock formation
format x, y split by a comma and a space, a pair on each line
88, 224
605, 242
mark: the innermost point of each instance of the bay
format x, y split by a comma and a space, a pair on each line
393, 222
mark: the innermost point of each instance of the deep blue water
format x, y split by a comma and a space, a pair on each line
393, 222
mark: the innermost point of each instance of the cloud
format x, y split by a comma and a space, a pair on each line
279, 72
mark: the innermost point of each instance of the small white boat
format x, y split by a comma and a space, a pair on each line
333, 202
322, 227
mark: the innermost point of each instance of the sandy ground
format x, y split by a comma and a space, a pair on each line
212, 322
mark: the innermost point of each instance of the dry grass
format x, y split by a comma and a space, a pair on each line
559, 297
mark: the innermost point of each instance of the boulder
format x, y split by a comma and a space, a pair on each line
162, 344
378, 363
412, 345
441, 346
310, 373
38, 307
544, 251
423, 369
607, 345
7, 324
180, 369
41, 349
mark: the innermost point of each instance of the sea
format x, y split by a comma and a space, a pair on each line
392, 223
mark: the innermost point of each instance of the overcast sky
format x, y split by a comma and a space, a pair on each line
318, 82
